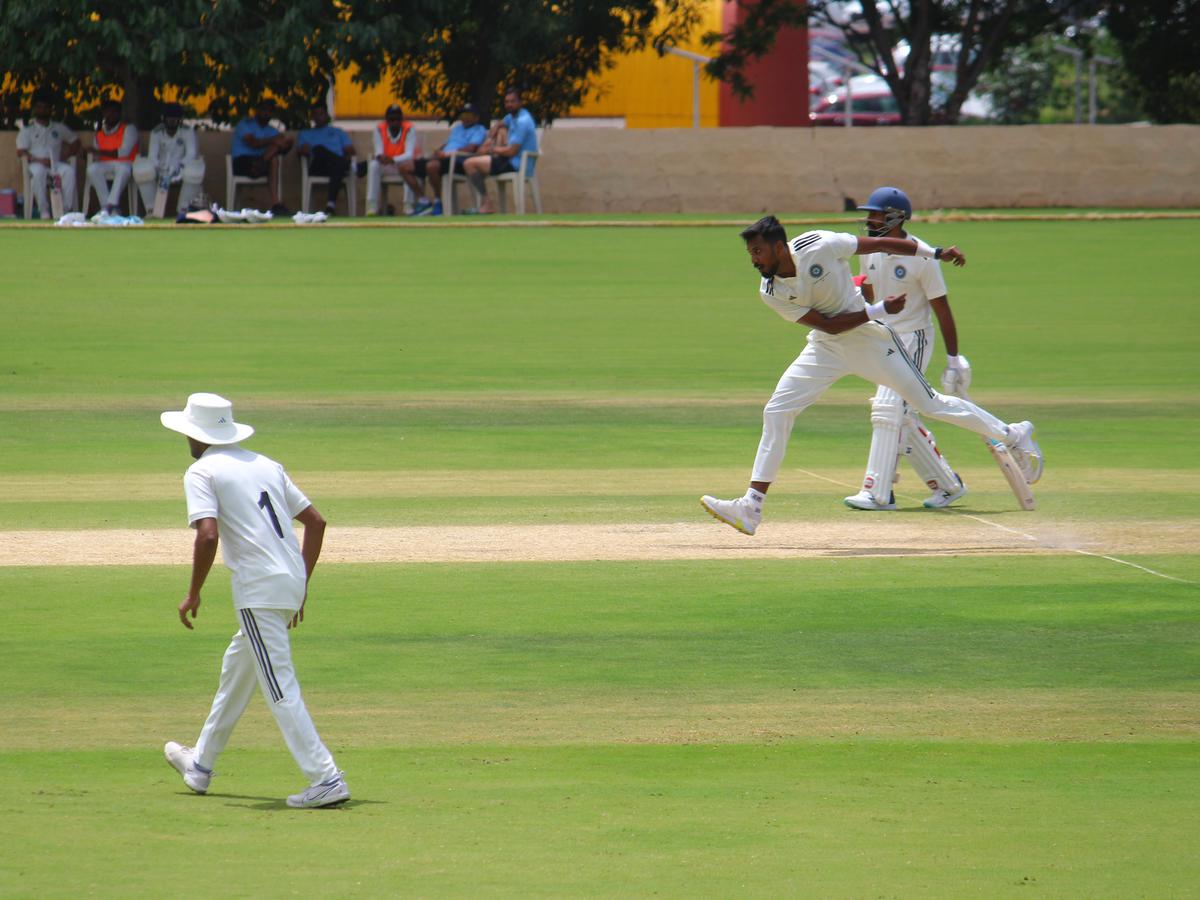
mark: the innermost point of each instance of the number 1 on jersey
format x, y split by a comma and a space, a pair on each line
265, 502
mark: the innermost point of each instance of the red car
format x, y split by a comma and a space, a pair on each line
870, 107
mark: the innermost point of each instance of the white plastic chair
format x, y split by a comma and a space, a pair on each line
90, 187
350, 184
232, 181
451, 179
517, 181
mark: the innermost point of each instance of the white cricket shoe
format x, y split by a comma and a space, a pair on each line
942, 498
1025, 451
737, 513
864, 499
183, 761
327, 793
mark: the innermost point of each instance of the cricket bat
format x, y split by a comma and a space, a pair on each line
160, 198
56, 197
1008, 468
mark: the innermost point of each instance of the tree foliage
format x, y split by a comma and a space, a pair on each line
977, 30
1158, 40
221, 56
234, 49
476, 48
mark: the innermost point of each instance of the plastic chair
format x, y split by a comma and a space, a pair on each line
351, 185
232, 181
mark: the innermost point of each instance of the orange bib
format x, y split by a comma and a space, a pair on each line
390, 147
112, 143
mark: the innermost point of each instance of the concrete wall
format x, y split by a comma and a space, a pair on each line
747, 170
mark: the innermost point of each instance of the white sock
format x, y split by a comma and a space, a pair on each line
756, 498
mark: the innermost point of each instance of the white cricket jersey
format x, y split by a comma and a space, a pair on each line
254, 502
921, 279
168, 153
823, 280
44, 141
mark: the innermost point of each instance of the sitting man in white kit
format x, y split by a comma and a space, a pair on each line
808, 281
48, 145
896, 429
114, 148
172, 158
252, 501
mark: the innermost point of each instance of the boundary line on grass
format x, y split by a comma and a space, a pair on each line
1029, 537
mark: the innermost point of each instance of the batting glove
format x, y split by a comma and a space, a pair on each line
956, 377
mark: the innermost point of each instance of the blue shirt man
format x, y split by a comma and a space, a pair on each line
332, 138
250, 128
462, 135
522, 130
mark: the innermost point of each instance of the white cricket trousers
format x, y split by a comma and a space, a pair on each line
376, 172
261, 653
874, 352
101, 173
39, 176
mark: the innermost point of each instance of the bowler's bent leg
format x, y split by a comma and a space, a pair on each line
267, 632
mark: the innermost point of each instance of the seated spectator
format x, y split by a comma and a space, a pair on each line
501, 152
114, 148
47, 145
329, 150
393, 145
258, 149
171, 159
466, 135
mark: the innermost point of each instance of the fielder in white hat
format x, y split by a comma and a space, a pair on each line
249, 501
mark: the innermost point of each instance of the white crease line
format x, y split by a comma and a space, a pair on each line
1025, 534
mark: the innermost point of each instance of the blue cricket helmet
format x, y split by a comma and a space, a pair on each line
893, 203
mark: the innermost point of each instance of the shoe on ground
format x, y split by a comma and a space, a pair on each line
183, 761
866, 500
327, 793
437, 208
940, 499
419, 210
735, 513
330, 209
1026, 452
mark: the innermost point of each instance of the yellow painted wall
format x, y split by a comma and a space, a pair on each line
649, 91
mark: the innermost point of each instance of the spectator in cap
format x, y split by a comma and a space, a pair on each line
394, 144
47, 145
258, 150
173, 158
114, 148
465, 137
328, 149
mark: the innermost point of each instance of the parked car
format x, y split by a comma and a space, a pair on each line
870, 106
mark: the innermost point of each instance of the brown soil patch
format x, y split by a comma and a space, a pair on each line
935, 535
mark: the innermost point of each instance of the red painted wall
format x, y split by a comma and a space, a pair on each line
780, 79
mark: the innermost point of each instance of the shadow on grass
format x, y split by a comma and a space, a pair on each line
280, 803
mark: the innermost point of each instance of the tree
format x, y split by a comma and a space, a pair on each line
237, 49
1158, 40
474, 48
975, 31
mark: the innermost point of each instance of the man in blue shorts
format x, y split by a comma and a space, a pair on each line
501, 152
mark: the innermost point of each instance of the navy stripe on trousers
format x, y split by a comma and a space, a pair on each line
908, 359
250, 626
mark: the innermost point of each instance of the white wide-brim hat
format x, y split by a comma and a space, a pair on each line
207, 418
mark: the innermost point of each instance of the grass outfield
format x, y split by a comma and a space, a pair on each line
931, 726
